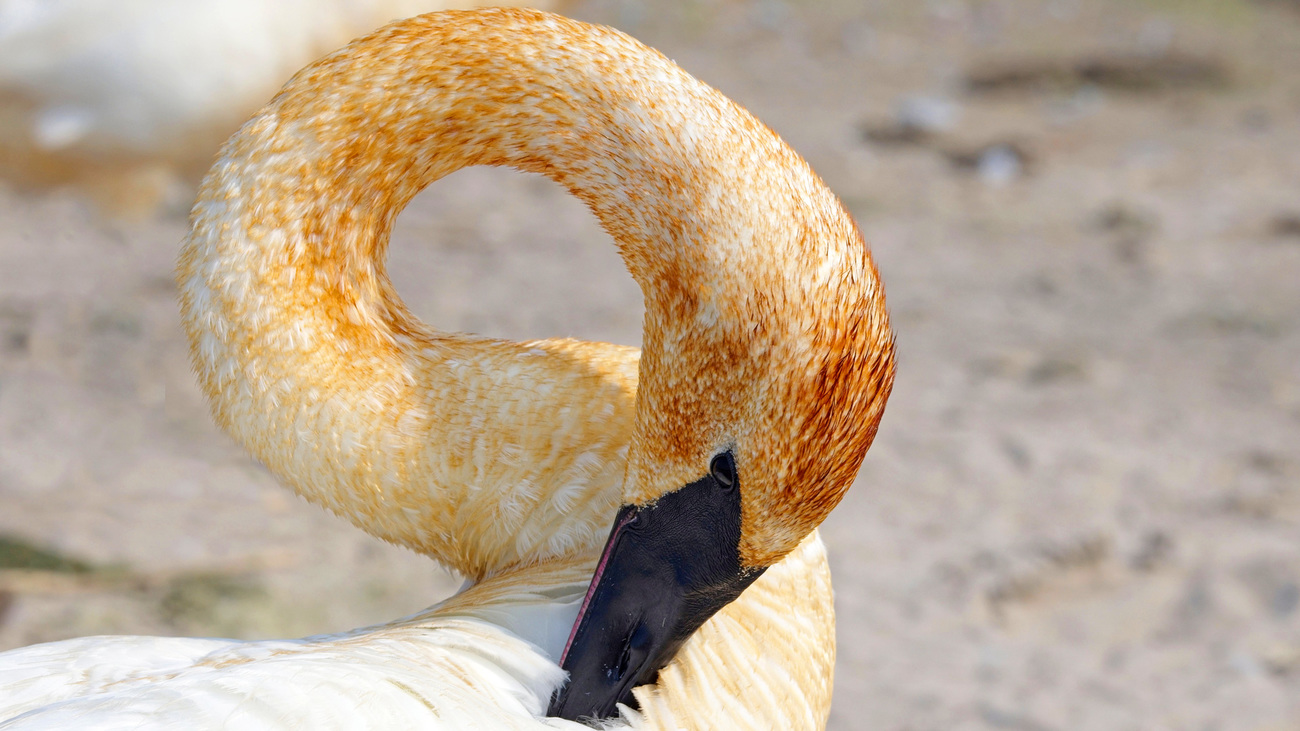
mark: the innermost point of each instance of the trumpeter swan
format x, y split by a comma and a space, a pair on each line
713, 454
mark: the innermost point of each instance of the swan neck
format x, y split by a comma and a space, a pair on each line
668, 165
295, 328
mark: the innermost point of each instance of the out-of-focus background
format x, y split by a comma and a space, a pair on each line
1083, 507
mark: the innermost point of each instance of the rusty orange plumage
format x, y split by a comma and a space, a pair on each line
765, 330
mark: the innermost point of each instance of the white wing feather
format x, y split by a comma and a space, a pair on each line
445, 669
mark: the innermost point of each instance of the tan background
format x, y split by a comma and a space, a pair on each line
1083, 508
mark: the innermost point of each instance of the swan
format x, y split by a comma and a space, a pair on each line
128, 97
644, 522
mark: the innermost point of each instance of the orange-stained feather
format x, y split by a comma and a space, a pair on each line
765, 328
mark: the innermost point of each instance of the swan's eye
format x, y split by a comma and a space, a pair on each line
723, 468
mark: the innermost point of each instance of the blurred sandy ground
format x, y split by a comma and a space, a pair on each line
1083, 508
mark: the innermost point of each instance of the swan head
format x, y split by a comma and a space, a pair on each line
761, 390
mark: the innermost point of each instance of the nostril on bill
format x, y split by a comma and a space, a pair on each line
620, 668
633, 653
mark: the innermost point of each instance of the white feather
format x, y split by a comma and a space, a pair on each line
462, 665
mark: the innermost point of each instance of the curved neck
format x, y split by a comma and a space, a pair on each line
309, 357
668, 165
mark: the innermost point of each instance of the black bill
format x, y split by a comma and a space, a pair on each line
666, 568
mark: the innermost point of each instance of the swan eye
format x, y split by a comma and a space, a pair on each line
723, 468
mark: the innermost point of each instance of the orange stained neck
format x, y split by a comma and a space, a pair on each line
763, 307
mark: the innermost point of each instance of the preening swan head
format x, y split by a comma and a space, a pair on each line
767, 360
767, 352
765, 369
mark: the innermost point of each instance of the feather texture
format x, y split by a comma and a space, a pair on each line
484, 659
766, 336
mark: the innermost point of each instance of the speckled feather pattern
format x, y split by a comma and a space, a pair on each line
765, 331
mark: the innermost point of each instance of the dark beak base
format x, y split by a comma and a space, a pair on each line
666, 568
